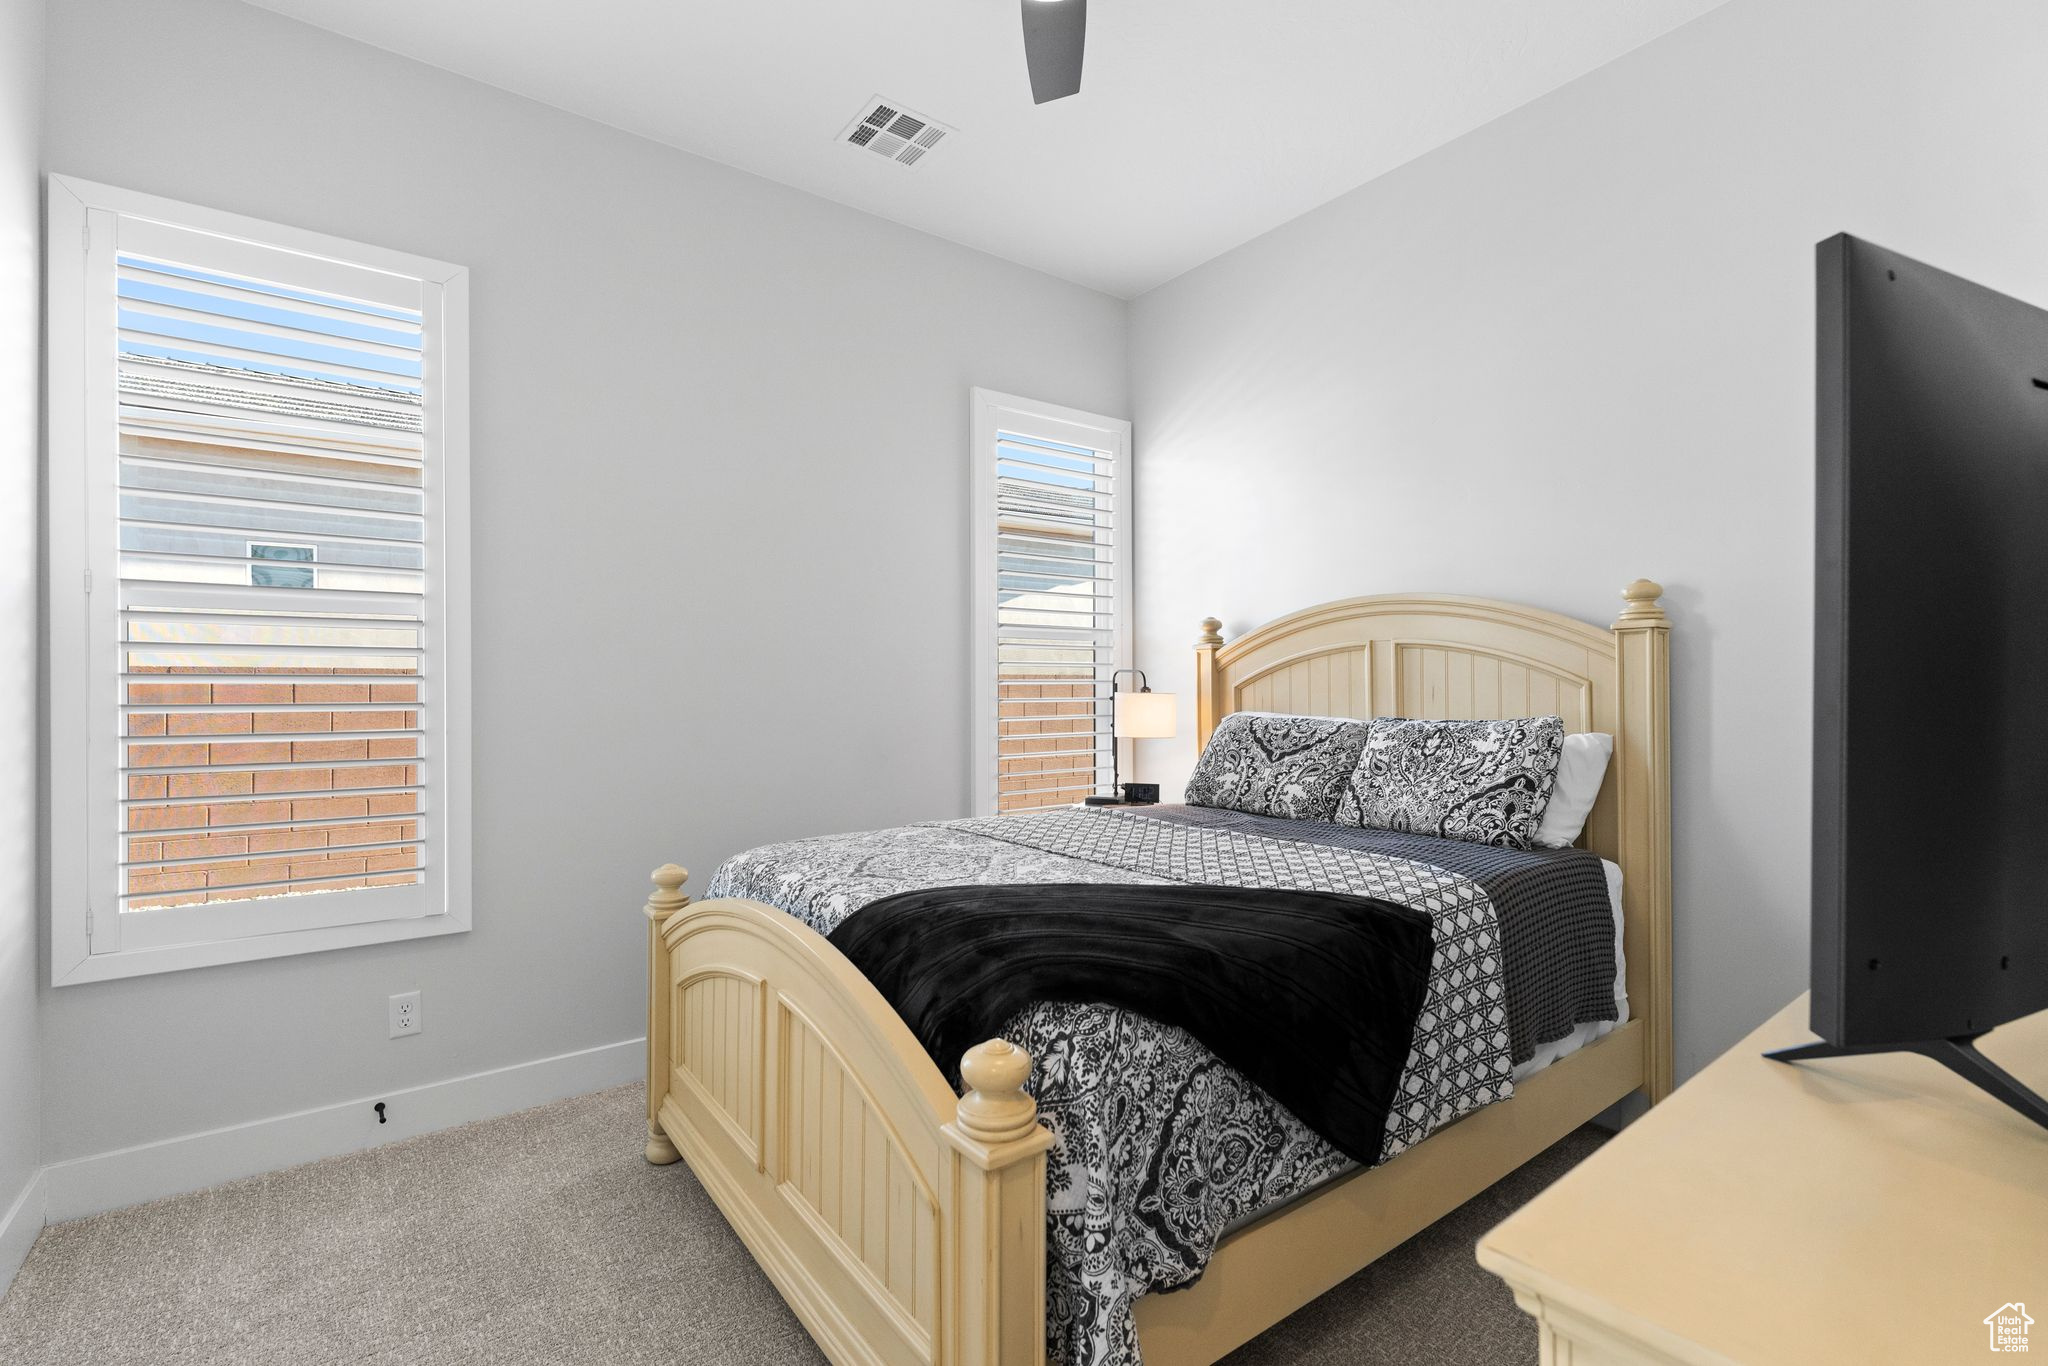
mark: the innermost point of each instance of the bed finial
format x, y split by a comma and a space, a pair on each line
1212, 632
996, 1108
1641, 597
668, 891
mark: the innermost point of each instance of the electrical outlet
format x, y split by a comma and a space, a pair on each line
405, 1014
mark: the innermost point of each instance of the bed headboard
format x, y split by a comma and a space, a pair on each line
1457, 658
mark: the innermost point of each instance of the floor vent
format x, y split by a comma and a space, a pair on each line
886, 128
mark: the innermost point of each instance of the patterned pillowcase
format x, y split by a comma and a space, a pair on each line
1484, 782
1268, 765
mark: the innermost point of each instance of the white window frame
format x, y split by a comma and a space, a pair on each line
82, 416
992, 412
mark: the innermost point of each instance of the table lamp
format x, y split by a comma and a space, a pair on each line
1140, 715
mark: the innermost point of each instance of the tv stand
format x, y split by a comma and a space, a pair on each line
1761, 1216
1959, 1055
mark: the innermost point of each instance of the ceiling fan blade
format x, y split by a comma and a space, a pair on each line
1055, 31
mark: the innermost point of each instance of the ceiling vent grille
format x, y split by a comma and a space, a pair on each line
886, 128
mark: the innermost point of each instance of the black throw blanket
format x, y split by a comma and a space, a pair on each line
1312, 995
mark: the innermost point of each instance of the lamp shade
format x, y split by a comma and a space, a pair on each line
1146, 715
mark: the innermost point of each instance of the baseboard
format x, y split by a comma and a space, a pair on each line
19, 1226
174, 1166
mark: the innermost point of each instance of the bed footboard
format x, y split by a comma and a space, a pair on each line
900, 1222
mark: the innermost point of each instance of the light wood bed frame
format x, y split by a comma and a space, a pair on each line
906, 1224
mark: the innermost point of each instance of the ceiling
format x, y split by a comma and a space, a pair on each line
1200, 123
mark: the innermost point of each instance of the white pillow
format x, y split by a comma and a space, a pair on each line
1580, 768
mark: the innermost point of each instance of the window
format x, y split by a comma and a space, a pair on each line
257, 598
295, 573
1052, 590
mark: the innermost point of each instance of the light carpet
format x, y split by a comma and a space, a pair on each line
543, 1239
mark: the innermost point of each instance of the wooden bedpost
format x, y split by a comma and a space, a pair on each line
668, 898
1642, 753
1208, 701
997, 1189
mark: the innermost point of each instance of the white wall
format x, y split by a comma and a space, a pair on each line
1575, 347
719, 475
21, 73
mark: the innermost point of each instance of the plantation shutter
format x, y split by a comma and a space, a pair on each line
269, 608
1059, 549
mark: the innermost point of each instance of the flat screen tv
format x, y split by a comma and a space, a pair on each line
1930, 715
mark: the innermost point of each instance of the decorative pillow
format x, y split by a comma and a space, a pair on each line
1270, 765
1580, 770
1484, 782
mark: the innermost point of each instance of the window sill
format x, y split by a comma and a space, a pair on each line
107, 967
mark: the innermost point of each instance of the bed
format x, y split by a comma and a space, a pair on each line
905, 1221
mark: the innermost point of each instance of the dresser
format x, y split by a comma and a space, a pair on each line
1859, 1210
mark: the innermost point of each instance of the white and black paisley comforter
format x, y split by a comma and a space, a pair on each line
1159, 1146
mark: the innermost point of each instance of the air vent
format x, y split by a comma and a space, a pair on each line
886, 128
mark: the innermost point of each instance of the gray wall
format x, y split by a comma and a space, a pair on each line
718, 485
1575, 347
21, 73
